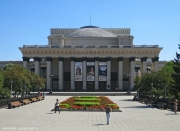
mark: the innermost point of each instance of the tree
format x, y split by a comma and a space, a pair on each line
176, 76
4, 92
21, 77
155, 82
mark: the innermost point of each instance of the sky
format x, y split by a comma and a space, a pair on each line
28, 22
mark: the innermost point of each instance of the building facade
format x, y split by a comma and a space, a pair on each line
90, 59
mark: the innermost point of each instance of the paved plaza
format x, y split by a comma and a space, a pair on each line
134, 117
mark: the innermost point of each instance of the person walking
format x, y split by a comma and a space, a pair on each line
57, 106
108, 113
175, 105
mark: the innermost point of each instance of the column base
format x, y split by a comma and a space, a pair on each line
72, 90
84, 90
61, 90
96, 90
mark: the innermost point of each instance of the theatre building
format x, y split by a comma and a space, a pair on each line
90, 59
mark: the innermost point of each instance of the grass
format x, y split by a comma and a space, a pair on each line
87, 103
87, 99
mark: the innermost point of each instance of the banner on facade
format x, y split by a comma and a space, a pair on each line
78, 71
90, 71
102, 71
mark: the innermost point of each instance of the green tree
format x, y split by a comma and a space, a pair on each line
155, 82
4, 92
22, 77
176, 76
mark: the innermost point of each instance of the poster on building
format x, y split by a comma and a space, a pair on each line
90, 71
102, 71
78, 71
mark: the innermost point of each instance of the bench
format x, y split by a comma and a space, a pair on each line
143, 100
40, 98
16, 104
26, 101
34, 99
160, 105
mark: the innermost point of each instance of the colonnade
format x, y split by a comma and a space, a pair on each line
37, 61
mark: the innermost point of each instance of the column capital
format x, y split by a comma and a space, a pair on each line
155, 59
26, 59
120, 58
84, 58
132, 58
72, 58
108, 58
37, 59
49, 59
143, 59
60, 58
96, 58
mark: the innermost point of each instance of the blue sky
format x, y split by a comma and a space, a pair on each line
28, 22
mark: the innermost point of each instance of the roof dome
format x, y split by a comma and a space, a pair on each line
91, 31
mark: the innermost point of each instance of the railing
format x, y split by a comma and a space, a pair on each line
87, 46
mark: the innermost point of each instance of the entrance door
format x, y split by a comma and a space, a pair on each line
55, 84
102, 86
78, 86
90, 86
113, 85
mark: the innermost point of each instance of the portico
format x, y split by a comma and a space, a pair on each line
90, 59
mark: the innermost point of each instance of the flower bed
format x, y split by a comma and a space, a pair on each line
88, 103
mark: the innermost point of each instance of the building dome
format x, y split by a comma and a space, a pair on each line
91, 31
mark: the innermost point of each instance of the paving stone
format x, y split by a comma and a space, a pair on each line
134, 117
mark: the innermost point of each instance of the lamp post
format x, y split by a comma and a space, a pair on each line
151, 89
50, 92
11, 87
128, 91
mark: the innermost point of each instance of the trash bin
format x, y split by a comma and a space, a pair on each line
9, 106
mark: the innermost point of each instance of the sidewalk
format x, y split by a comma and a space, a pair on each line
134, 117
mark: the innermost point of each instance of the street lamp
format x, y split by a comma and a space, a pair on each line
11, 87
128, 91
50, 92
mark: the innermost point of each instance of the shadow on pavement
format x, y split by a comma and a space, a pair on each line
138, 107
99, 124
51, 113
172, 113
127, 100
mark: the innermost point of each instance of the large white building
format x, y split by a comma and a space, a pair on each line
90, 59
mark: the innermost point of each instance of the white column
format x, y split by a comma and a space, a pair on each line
120, 73
72, 74
144, 64
25, 62
132, 60
84, 74
96, 74
155, 63
119, 40
48, 73
61, 72
108, 73
37, 65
